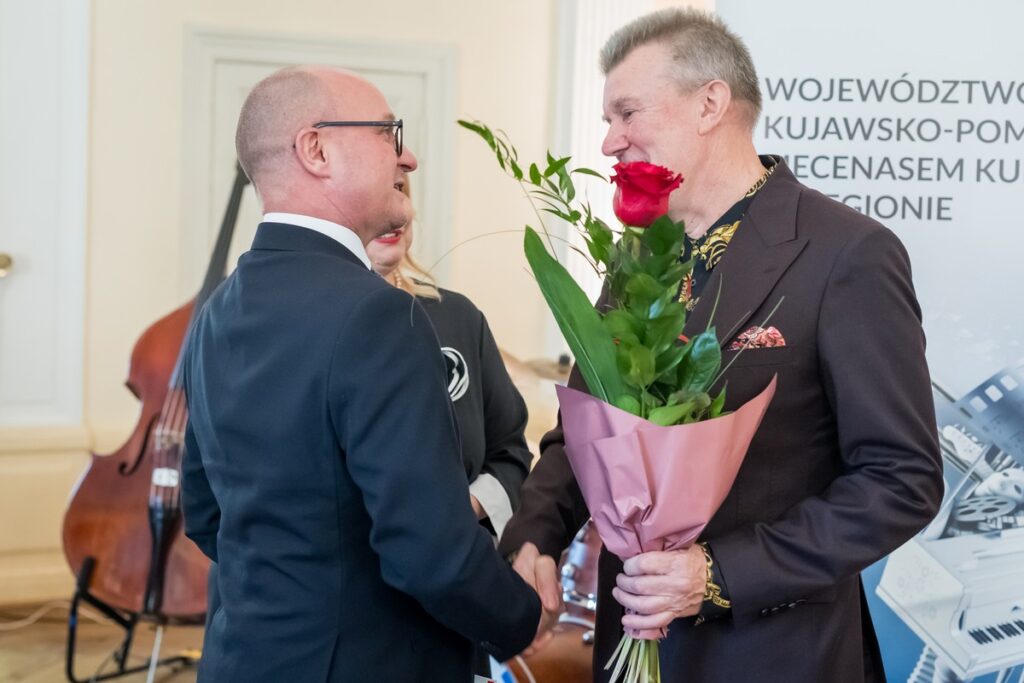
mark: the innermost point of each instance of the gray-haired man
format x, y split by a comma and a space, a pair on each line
845, 466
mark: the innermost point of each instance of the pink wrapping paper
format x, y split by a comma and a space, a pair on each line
650, 487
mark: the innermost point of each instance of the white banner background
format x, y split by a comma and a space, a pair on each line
950, 150
920, 106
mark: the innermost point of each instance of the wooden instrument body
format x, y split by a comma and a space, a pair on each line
108, 516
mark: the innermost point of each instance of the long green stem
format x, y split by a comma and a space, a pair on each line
636, 661
492, 233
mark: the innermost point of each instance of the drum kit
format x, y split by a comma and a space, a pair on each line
568, 657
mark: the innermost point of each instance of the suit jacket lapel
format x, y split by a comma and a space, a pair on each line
761, 251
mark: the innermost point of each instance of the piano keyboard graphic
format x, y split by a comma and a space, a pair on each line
986, 635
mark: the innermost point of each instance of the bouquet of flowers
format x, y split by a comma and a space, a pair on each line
651, 446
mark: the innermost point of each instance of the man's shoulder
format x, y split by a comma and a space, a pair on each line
839, 234
308, 271
298, 291
831, 227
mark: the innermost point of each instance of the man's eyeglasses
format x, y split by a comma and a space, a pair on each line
395, 125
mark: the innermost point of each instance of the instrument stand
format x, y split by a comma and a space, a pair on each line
127, 622
153, 661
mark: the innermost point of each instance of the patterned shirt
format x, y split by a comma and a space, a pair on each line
708, 249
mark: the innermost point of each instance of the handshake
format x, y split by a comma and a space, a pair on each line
540, 573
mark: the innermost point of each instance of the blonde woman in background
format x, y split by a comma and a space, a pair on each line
489, 410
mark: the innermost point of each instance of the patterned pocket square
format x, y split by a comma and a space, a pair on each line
758, 338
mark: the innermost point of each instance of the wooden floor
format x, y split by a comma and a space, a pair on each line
36, 652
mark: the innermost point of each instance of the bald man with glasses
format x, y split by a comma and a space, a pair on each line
345, 545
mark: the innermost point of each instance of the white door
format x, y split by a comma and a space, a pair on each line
44, 68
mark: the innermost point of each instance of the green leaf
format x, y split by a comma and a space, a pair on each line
488, 137
601, 236
701, 403
684, 412
564, 216
644, 289
680, 396
670, 415
565, 184
555, 165
516, 171
716, 405
620, 323
473, 126
662, 304
664, 236
599, 252
655, 265
663, 331
598, 229
587, 171
673, 275
641, 366
649, 401
701, 367
623, 361
579, 322
603, 225
628, 403
535, 176
668, 360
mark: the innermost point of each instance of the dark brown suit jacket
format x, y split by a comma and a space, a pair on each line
843, 470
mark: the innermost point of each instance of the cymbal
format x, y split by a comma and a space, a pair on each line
557, 370
538, 368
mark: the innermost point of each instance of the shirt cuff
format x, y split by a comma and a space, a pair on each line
717, 605
493, 499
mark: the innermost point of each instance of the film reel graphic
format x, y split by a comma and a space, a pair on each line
983, 508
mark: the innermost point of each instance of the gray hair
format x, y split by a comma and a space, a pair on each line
703, 49
275, 110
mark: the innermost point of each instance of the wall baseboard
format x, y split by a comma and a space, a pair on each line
35, 577
38, 469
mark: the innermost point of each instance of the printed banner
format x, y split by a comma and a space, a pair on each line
913, 113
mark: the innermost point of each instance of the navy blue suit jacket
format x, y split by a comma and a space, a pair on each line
322, 475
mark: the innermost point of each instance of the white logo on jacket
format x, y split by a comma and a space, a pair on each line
458, 373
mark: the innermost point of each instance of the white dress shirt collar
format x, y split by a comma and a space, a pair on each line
339, 233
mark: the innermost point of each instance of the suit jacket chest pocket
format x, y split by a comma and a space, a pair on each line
753, 357
749, 372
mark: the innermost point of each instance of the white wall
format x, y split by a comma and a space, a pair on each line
505, 76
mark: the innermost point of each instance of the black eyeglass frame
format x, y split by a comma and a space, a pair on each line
397, 125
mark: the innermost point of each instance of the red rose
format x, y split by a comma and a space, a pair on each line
641, 192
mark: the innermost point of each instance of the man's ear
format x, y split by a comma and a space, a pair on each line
713, 101
310, 152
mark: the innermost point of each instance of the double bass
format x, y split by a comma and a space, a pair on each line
123, 536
